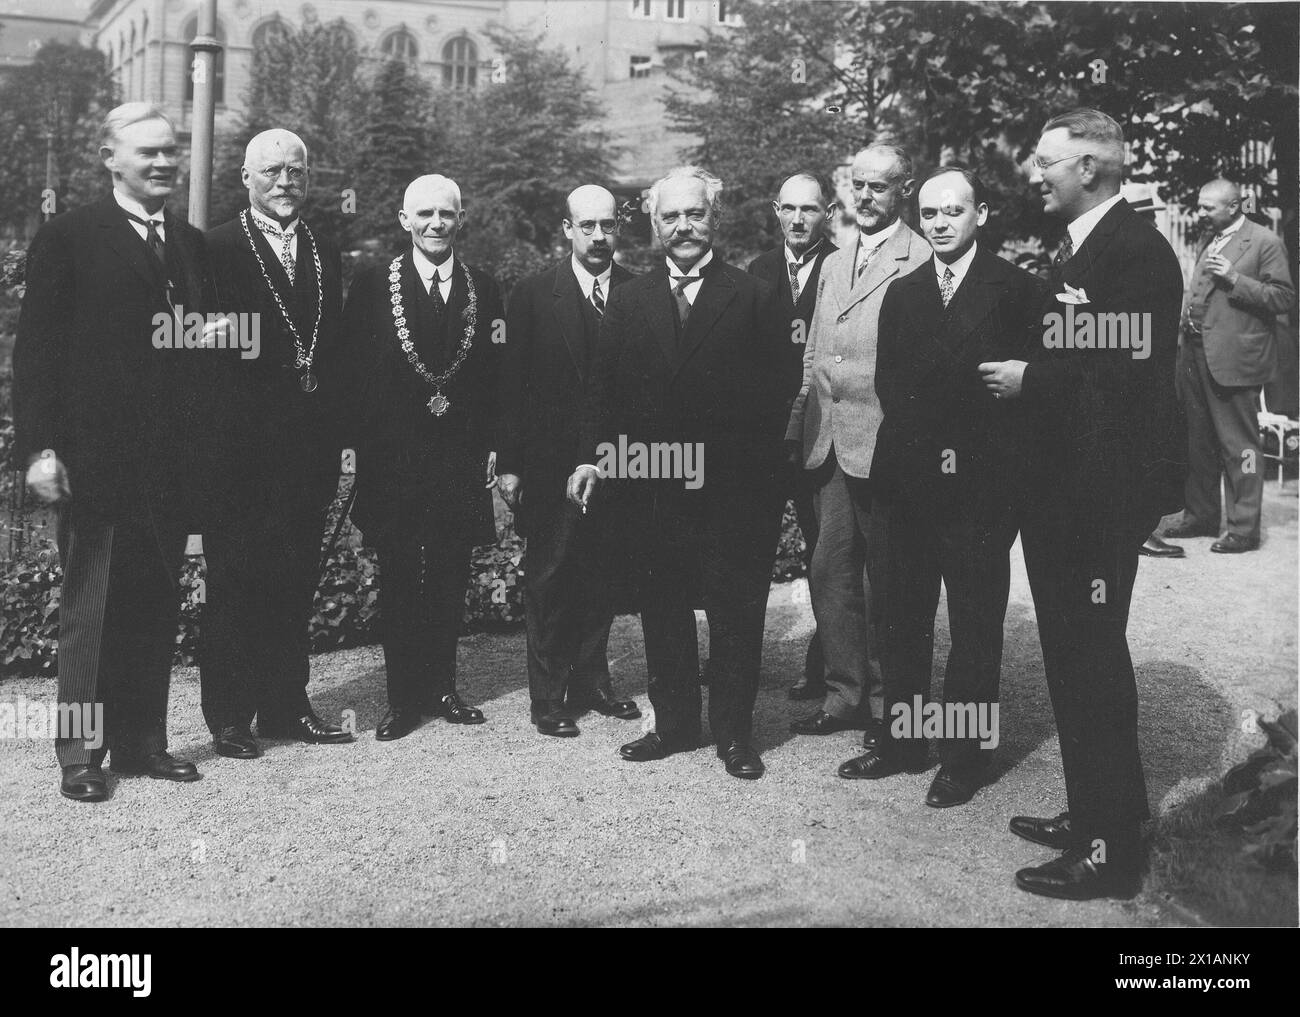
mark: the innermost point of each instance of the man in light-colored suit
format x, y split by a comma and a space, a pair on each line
833, 426
1234, 318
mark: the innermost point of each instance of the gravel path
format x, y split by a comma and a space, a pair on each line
498, 825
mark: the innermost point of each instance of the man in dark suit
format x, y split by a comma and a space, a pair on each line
552, 323
689, 363
946, 473
427, 373
1234, 323
283, 441
111, 416
1111, 462
804, 208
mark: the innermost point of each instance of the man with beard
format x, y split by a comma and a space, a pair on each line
832, 430
804, 208
110, 419
427, 373
690, 357
284, 440
551, 328
1111, 461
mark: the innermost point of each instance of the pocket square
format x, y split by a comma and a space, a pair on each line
1072, 295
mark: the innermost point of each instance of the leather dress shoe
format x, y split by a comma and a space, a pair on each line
1154, 547
83, 783
308, 728
1074, 876
951, 787
819, 723
1234, 543
235, 743
741, 760
1052, 833
606, 705
874, 764
804, 689
1185, 530
397, 724
453, 708
158, 765
557, 725
653, 746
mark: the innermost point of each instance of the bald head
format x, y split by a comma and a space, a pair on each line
1219, 205
591, 207
432, 213
275, 173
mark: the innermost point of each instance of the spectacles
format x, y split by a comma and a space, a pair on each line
588, 226
296, 173
1039, 165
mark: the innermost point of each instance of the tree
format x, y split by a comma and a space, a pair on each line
974, 82
56, 104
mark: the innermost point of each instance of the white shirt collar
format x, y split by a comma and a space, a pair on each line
959, 267
676, 273
1231, 229
427, 269
291, 229
1086, 223
869, 240
135, 208
808, 257
585, 278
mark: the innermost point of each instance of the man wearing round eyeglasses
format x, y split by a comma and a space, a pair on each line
552, 323
281, 469
1110, 462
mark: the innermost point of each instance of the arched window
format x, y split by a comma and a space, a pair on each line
219, 78
400, 45
269, 33
460, 63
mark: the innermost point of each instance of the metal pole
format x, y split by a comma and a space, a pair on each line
204, 69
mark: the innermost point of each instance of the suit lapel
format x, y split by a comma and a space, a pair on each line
126, 243
804, 308
883, 267
567, 294
1238, 244
971, 304
1077, 270
716, 292
659, 313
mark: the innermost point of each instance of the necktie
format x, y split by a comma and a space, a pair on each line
864, 259
794, 267
945, 287
1065, 253
152, 238
679, 295
597, 301
286, 238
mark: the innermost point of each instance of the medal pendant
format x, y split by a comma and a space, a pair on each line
438, 404
307, 382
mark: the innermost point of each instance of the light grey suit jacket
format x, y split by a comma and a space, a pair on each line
837, 404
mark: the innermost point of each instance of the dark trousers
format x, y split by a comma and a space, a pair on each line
814, 663
724, 555
1081, 597
262, 576
1222, 423
567, 609
971, 557
118, 613
422, 607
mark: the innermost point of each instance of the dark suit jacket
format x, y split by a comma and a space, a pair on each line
1114, 448
723, 384
544, 373
134, 425
771, 267
1244, 325
274, 428
418, 474
934, 398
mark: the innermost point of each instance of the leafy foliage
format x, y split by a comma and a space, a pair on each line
1261, 800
